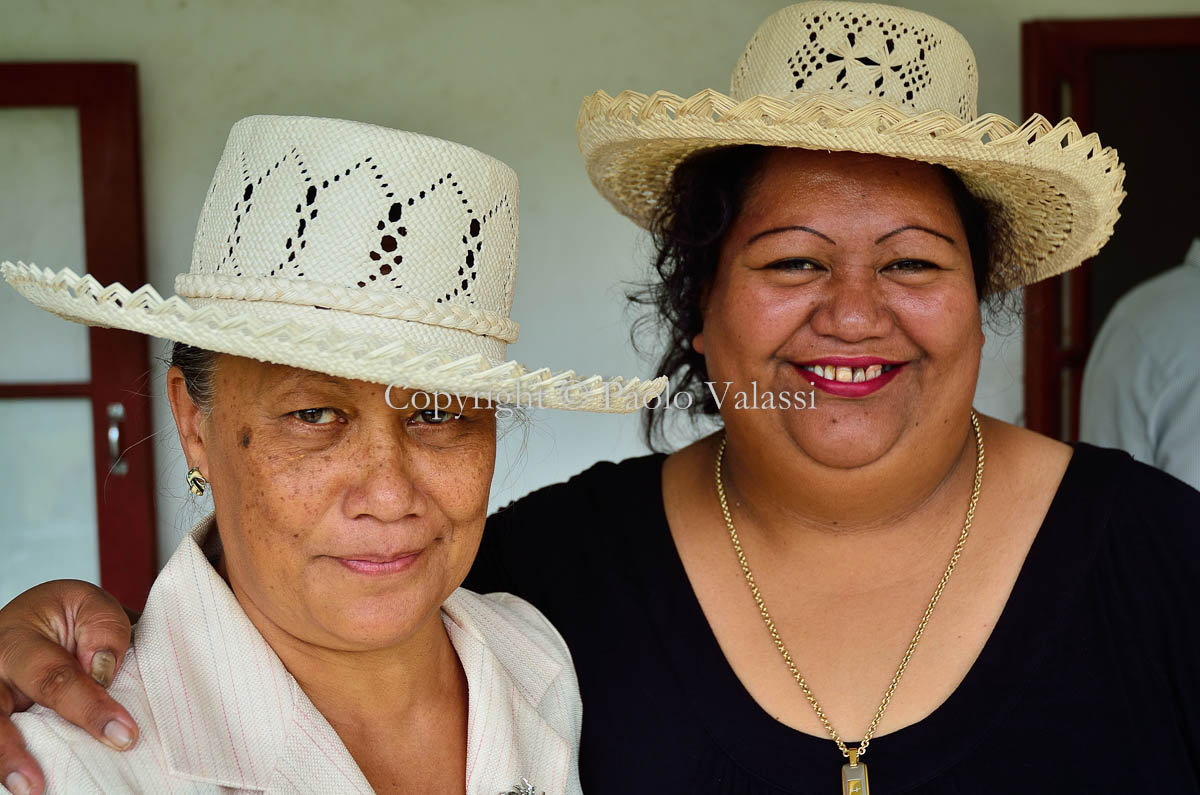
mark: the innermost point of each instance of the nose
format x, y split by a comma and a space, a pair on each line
385, 487
852, 308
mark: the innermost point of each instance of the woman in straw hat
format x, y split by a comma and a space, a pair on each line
317, 611
887, 577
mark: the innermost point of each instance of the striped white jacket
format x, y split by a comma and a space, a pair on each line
218, 712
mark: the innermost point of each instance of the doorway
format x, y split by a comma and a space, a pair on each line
1133, 81
76, 486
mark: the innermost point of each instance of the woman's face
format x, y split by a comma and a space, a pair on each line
345, 522
857, 263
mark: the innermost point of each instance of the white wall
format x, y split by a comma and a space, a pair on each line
505, 77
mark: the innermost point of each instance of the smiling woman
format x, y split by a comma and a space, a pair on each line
881, 265
318, 608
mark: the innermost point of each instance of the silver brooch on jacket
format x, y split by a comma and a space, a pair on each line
523, 788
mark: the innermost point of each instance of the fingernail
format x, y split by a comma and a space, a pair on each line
118, 734
104, 663
17, 783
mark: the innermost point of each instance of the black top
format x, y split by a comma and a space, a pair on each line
1090, 682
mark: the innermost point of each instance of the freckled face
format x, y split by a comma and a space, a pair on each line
843, 256
344, 521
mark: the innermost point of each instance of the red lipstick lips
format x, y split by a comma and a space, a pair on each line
850, 389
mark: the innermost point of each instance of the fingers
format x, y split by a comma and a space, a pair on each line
19, 772
51, 676
101, 631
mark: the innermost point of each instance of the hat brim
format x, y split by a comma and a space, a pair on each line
308, 340
1052, 193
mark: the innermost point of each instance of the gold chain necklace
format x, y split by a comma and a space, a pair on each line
854, 774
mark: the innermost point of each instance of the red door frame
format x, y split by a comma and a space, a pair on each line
105, 96
1056, 60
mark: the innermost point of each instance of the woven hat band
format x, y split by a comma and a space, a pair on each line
411, 339
391, 306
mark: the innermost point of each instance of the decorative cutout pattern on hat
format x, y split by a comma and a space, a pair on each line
409, 206
282, 267
889, 56
859, 50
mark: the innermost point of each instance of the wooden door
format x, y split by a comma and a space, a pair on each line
106, 392
1134, 82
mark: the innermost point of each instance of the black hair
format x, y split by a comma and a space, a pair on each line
198, 366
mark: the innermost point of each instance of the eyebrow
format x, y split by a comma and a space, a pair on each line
947, 238
780, 229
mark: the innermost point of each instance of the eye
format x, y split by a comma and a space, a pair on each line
435, 417
322, 416
794, 264
911, 266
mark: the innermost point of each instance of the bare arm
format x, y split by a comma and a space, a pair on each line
61, 643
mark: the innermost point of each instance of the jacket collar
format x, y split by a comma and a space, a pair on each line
507, 738
229, 713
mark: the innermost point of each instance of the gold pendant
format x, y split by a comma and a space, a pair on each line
854, 776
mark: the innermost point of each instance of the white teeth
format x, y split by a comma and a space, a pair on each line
848, 375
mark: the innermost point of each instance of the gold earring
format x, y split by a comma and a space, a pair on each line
196, 481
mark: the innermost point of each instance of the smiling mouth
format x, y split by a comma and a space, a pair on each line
848, 375
380, 564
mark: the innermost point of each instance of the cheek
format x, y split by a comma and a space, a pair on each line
464, 485
746, 317
459, 486
946, 324
277, 486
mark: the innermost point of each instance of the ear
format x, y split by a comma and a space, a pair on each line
698, 343
190, 421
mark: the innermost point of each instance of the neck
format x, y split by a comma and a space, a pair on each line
358, 691
888, 514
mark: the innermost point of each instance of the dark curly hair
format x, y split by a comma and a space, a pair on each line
703, 200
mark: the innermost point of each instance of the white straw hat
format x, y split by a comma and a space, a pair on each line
881, 80
353, 250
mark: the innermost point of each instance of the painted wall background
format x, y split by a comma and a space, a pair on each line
504, 77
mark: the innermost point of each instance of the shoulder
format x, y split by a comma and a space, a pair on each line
1148, 520
509, 625
1133, 489
552, 526
1157, 311
74, 762
600, 484
1027, 467
528, 649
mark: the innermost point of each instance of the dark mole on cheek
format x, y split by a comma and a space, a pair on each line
245, 437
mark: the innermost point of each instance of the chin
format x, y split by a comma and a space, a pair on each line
366, 624
845, 434
377, 614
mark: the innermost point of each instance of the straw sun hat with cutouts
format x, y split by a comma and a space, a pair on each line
880, 80
354, 250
